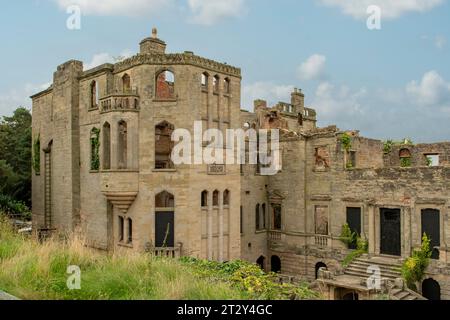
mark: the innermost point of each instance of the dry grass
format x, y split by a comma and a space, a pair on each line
31, 270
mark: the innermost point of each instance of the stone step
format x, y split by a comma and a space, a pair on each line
383, 270
366, 275
384, 273
379, 261
365, 266
402, 295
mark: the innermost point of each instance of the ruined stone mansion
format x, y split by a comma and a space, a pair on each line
102, 166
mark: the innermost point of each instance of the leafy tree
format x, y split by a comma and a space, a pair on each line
15, 155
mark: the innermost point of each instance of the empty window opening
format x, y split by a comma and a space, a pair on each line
126, 83
122, 145
432, 160
216, 82
226, 86
106, 146
130, 231
226, 198
216, 198
164, 200
94, 95
163, 145
204, 81
121, 229
165, 85
204, 198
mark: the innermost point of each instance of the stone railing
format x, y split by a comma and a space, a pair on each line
127, 101
275, 235
321, 241
168, 252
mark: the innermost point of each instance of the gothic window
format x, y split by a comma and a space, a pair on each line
106, 146
121, 229
263, 217
226, 198
205, 79
257, 218
126, 83
93, 95
130, 230
164, 200
204, 199
165, 85
95, 145
163, 145
226, 86
216, 82
216, 198
122, 145
276, 217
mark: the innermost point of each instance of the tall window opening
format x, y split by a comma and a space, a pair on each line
106, 146
163, 145
126, 83
204, 198
95, 146
165, 85
93, 95
122, 145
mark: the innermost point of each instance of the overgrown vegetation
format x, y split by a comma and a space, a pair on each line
389, 144
413, 269
250, 279
95, 149
346, 141
405, 162
30, 270
15, 160
37, 155
353, 241
12, 207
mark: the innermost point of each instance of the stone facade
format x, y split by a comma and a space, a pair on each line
106, 170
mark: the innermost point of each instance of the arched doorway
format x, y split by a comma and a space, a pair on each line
164, 220
261, 262
275, 264
350, 296
318, 266
431, 289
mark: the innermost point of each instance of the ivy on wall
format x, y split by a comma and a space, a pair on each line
95, 148
37, 155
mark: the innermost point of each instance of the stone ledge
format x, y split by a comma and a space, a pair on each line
6, 296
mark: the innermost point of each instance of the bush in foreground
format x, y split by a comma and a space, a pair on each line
31, 270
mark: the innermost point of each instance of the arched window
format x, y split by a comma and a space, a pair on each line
164, 200
122, 145
130, 231
257, 218
226, 86
204, 198
126, 83
275, 264
93, 95
165, 220
263, 215
95, 146
163, 145
106, 146
216, 82
204, 81
121, 229
165, 85
431, 289
261, 262
226, 198
318, 266
216, 198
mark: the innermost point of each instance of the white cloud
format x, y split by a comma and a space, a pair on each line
101, 58
431, 90
208, 12
313, 68
269, 91
204, 12
391, 9
116, 7
440, 41
20, 97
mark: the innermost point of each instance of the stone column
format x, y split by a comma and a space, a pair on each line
371, 236
210, 225
407, 231
221, 235
210, 100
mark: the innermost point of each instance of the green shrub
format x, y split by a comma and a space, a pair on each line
12, 207
413, 269
348, 237
405, 162
346, 141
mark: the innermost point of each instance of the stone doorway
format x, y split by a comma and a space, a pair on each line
431, 289
164, 229
431, 226
390, 228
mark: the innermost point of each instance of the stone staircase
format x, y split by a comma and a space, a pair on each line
390, 271
389, 268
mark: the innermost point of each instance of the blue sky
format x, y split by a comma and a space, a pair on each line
388, 83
